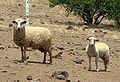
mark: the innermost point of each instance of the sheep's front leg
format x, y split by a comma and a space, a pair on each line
22, 59
44, 57
25, 53
89, 64
96, 61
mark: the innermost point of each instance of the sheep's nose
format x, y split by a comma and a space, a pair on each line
18, 28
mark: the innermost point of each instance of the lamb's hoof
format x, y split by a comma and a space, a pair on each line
97, 70
106, 70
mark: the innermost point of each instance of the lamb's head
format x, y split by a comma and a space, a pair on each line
19, 23
92, 41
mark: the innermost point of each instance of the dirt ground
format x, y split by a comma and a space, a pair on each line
70, 42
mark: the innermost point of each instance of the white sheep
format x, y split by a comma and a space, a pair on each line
97, 50
35, 37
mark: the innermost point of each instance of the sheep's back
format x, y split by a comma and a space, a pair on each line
37, 37
102, 48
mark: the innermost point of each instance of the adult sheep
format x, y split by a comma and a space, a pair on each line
34, 37
97, 50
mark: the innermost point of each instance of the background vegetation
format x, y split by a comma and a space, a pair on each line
91, 11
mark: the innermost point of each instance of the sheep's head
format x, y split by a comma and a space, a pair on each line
92, 41
18, 23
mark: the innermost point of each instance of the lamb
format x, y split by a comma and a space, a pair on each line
34, 37
97, 50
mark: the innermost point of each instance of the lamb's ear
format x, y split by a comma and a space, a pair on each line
24, 22
14, 22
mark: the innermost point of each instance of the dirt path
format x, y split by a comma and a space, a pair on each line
70, 42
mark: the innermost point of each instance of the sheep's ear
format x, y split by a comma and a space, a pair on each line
96, 40
24, 22
87, 38
14, 22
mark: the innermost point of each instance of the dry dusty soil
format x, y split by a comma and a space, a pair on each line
69, 42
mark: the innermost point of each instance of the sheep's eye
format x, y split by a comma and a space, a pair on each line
90, 40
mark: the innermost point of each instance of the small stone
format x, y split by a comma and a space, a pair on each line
15, 62
6, 66
68, 80
33, 5
84, 67
83, 49
78, 61
12, 73
2, 47
84, 28
10, 45
61, 48
42, 22
10, 25
29, 77
20, 4
78, 80
29, 49
46, 15
16, 47
4, 71
68, 42
69, 27
105, 32
38, 80
60, 74
1, 19
6, 57
97, 31
61, 77
58, 55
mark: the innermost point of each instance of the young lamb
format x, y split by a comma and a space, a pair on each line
97, 50
34, 37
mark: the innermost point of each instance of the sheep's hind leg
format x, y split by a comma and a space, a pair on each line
44, 60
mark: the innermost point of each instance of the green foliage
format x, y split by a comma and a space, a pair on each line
92, 11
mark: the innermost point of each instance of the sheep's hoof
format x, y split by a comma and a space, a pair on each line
97, 70
22, 60
43, 62
89, 69
25, 62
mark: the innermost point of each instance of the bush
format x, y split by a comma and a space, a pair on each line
91, 11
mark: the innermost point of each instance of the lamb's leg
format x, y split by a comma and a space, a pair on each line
89, 64
44, 57
96, 61
22, 58
50, 57
106, 63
